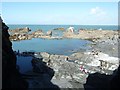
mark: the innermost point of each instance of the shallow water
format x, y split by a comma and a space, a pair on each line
63, 46
24, 63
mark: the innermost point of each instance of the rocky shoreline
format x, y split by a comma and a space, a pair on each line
92, 35
72, 71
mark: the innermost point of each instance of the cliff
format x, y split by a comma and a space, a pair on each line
11, 77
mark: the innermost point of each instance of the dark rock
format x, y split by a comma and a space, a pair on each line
40, 67
115, 81
99, 81
11, 78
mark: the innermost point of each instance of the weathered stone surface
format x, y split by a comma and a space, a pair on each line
45, 55
75, 56
62, 68
76, 66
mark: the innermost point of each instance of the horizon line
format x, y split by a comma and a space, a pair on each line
64, 24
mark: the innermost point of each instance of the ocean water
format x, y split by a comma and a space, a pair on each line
51, 27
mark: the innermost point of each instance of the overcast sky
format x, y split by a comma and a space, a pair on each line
80, 13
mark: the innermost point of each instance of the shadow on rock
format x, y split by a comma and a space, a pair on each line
99, 81
11, 78
45, 74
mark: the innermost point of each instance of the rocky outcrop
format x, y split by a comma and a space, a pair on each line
17, 37
49, 33
91, 35
101, 81
77, 66
59, 28
38, 33
11, 78
62, 68
20, 30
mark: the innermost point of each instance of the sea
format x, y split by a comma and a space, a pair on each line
61, 46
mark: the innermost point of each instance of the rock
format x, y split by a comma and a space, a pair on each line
59, 28
13, 37
58, 58
113, 67
45, 55
70, 29
38, 33
20, 30
38, 55
95, 63
62, 83
49, 33
115, 80
71, 70
30, 36
98, 81
11, 78
75, 56
16, 37
40, 67
90, 34
22, 37
81, 78
54, 57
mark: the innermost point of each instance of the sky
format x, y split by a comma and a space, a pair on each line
75, 13
60, 0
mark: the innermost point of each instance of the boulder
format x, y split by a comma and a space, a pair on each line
49, 33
